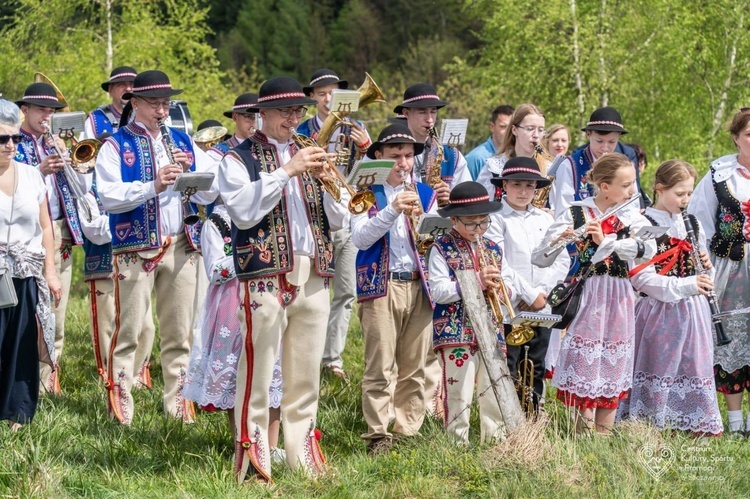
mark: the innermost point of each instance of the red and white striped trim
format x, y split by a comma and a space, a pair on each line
471, 200
152, 87
519, 169
614, 123
243, 106
397, 136
286, 95
121, 75
42, 97
420, 97
324, 77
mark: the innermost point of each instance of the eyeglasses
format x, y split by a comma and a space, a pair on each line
249, 116
15, 138
530, 129
157, 104
476, 225
298, 112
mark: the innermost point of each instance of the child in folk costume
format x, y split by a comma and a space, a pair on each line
595, 365
453, 336
721, 203
673, 383
518, 228
212, 375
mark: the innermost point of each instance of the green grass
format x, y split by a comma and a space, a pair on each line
73, 449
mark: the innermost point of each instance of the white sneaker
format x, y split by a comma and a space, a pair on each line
278, 455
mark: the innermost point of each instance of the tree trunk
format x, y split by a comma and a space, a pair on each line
110, 54
577, 67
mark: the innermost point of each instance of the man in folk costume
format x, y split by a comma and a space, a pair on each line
106, 118
355, 138
153, 249
245, 118
281, 223
395, 306
38, 104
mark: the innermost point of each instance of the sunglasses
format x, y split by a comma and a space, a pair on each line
15, 138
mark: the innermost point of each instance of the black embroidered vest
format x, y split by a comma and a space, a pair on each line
728, 241
613, 265
685, 265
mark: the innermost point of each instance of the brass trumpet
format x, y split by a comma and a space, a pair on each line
525, 382
83, 154
209, 137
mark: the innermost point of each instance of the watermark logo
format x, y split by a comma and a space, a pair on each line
656, 461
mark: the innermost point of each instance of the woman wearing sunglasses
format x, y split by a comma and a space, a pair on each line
27, 261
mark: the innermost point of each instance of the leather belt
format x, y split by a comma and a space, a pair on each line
403, 276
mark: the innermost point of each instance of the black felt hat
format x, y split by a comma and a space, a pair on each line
467, 199
119, 75
399, 119
323, 77
605, 119
244, 104
521, 168
280, 92
394, 134
153, 84
207, 124
420, 95
41, 94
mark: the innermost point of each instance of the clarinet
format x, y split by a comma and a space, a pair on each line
190, 217
721, 336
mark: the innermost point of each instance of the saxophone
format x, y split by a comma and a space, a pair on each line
542, 158
433, 163
421, 242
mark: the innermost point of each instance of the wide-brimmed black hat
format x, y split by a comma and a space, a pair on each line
280, 92
244, 104
152, 83
420, 95
467, 199
605, 119
394, 134
323, 77
207, 123
119, 75
40, 94
521, 168
399, 119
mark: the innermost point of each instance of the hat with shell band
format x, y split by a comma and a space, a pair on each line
244, 104
323, 77
420, 95
605, 119
521, 168
280, 92
152, 84
468, 199
120, 75
40, 94
392, 135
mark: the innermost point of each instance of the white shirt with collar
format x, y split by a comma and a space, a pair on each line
519, 232
669, 289
367, 231
249, 202
120, 197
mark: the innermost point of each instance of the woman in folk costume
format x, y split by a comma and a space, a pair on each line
722, 204
673, 384
595, 365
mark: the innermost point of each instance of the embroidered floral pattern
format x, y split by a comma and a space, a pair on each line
65, 252
459, 356
728, 226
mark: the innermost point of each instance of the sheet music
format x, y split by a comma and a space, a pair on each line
344, 101
434, 225
200, 181
366, 173
67, 124
534, 319
453, 132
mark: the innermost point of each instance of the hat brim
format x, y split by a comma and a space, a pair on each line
397, 121
420, 105
604, 128
41, 103
282, 103
540, 181
247, 110
484, 208
122, 79
153, 94
343, 84
418, 148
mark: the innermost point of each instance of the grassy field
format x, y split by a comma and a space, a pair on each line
73, 449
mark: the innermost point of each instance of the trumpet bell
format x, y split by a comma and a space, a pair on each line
41, 78
83, 155
361, 202
369, 92
209, 136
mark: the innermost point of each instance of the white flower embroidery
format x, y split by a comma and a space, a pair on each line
231, 358
217, 364
224, 332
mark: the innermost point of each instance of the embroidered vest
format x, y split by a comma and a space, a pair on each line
138, 229
728, 240
451, 325
104, 120
265, 250
311, 129
372, 263
224, 147
685, 265
581, 162
612, 265
27, 153
224, 229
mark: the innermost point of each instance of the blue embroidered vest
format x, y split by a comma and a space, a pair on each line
224, 147
451, 325
582, 161
728, 240
98, 259
27, 153
372, 263
102, 122
138, 229
310, 129
265, 250
450, 162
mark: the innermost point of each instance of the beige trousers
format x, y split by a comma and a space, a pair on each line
102, 319
462, 371
173, 282
397, 330
49, 380
300, 330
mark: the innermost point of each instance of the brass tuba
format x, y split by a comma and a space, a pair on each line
209, 137
83, 154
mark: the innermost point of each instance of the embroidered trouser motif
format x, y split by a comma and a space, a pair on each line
300, 328
173, 281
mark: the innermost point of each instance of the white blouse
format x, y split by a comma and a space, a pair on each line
26, 229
